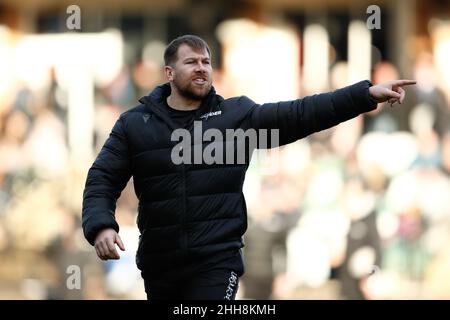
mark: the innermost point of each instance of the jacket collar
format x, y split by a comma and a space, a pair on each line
155, 101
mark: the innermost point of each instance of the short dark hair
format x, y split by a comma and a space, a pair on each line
195, 42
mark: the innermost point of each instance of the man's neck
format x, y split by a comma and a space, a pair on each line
178, 102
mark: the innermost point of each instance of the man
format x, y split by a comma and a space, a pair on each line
192, 216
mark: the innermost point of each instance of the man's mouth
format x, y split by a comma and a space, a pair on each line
200, 81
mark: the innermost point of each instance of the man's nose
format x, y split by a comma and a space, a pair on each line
200, 67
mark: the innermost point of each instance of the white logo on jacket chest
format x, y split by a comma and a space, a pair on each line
210, 114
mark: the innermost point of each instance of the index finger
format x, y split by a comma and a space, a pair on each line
120, 243
112, 249
404, 82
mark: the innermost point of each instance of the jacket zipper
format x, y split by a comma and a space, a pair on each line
184, 236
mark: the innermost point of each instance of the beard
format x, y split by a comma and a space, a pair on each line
189, 90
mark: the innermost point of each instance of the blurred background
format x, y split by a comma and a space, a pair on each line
359, 211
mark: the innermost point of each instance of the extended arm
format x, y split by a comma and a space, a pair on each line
298, 118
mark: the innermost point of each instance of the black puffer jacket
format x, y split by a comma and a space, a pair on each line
188, 212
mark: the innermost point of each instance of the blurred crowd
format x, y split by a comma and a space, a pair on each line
40, 195
359, 211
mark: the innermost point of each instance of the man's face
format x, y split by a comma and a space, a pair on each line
192, 72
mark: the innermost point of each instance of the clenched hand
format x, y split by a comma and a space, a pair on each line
105, 244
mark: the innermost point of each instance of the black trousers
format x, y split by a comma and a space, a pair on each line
215, 284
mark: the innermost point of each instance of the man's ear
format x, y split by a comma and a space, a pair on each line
169, 72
